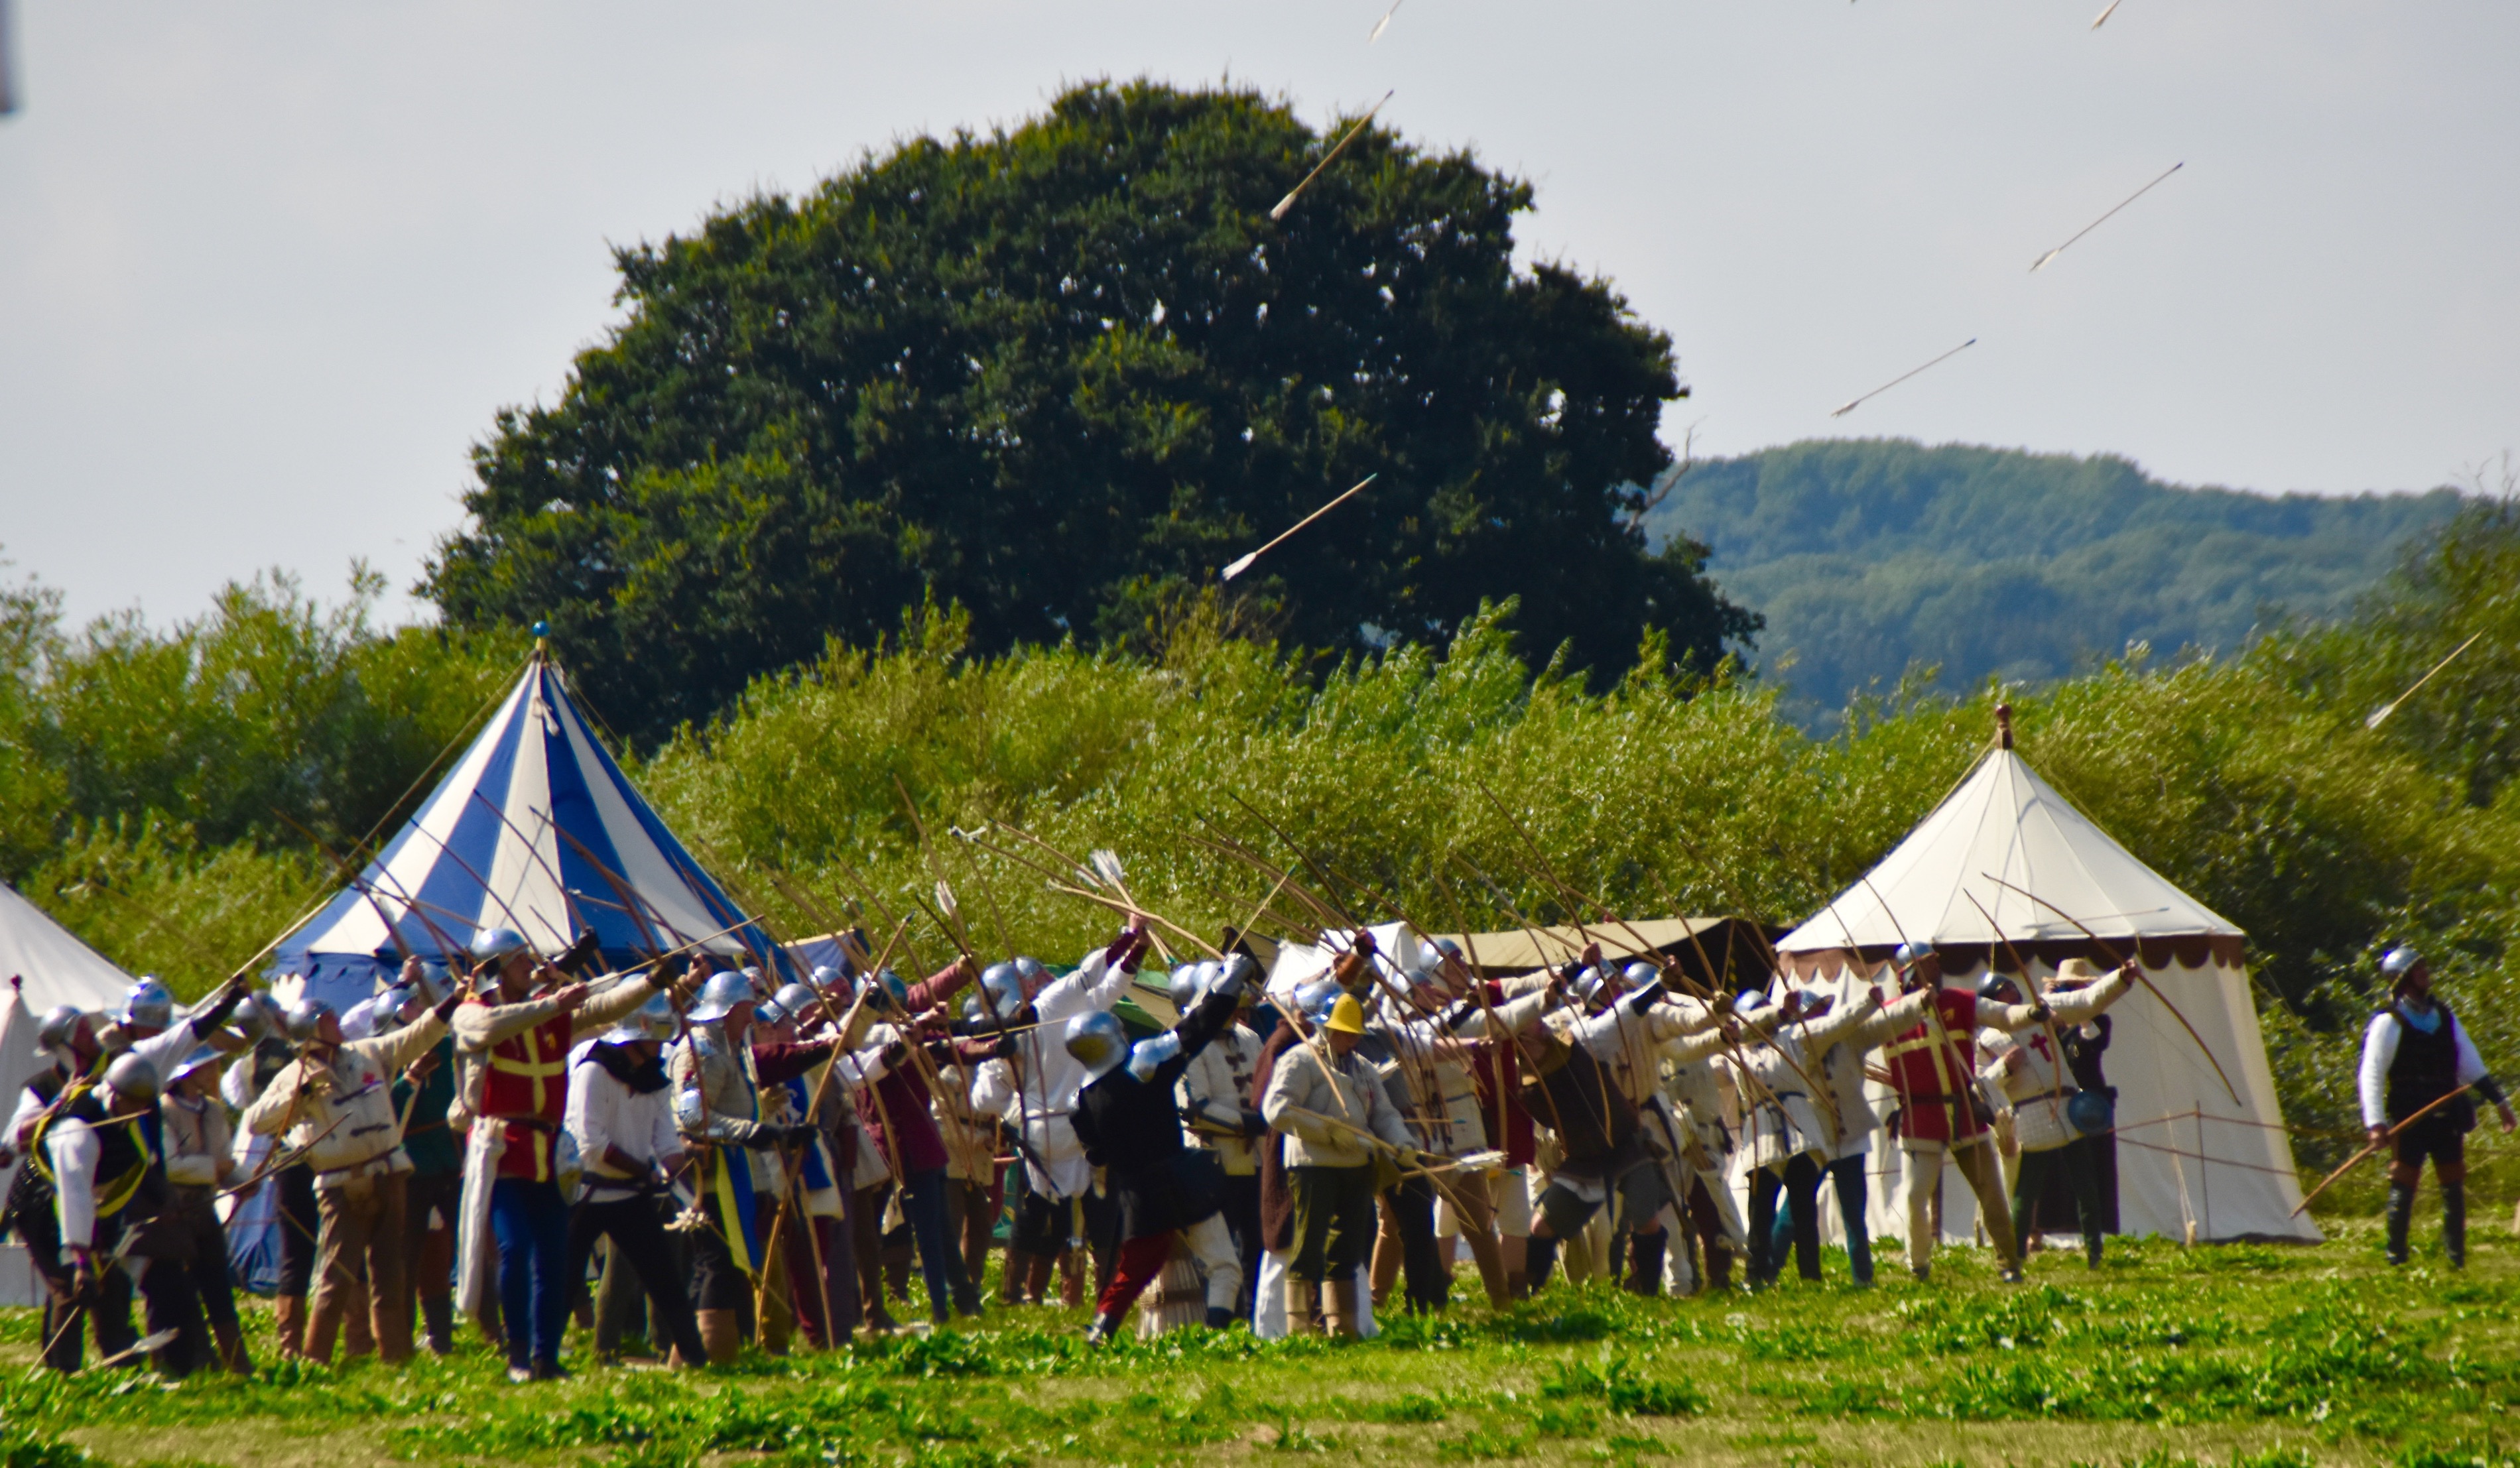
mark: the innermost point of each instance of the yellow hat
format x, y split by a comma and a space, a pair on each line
1347, 1016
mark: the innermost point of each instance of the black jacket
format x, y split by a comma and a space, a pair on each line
1133, 1129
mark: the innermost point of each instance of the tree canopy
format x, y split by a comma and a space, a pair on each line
1060, 375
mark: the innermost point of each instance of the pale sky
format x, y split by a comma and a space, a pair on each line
266, 270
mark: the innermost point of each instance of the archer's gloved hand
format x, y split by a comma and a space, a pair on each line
799, 1133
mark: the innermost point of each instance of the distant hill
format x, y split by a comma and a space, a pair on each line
1869, 556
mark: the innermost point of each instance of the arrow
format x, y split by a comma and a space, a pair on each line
1244, 564
1288, 202
2038, 264
2381, 714
1851, 403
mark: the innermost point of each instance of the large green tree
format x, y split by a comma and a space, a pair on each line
1061, 375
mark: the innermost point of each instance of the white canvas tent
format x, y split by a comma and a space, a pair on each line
2187, 1151
45, 965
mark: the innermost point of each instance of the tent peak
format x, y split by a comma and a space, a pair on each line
2003, 726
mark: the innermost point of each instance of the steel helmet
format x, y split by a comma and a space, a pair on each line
796, 999
1034, 974
201, 1055
132, 1078
653, 1020
436, 983
719, 997
493, 945
2398, 960
1639, 973
54, 1031
770, 1013
1589, 983
257, 1016
1003, 982
1815, 1000
1240, 972
1313, 1000
1751, 1000
1098, 1041
1912, 954
2091, 1112
1183, 986
827, 976
1996, 985
302, 1018
148, 1004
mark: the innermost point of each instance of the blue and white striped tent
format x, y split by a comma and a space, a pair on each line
534, 828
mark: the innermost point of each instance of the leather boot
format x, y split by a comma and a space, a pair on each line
393, 1332
1719, 1266
721, 1335
232, 1353
1303, 1307
289, 1322
1517, 1285
440, 1311
1010, 1286
1540, 1260
2454, 1222
896, 1270
358, 1339
1644, 1263
1338, 1307
323, 1326
2402, 1212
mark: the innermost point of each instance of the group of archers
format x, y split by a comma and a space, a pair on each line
763, 1164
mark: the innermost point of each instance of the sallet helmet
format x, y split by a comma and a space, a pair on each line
1998, 988
1184, 985
54, 1031
827, 976
1241, 971
1313, 1000
2398, 960
1003, 982
202, 1055
493, 945
1098, 1041
796, 999
148, 1004
719, 997
302, 1018
132, 1078
258, 1015
1910, 954
653, 1020
769, 1013
1750, 1000
1589, 982
1034, 973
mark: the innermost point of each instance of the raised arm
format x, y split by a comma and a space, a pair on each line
610, 1005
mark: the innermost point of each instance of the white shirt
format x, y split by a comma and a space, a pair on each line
1052, 1078
602, 1113
2380, 1052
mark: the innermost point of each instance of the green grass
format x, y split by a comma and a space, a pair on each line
2167, 1357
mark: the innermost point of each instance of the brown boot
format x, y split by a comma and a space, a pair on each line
357, 1340
232, 1354
289, 1322
322, 1326
721, 1336
393, 1332
1303, 1307
1010, 1287
1338, 1307
1517, 1285
1037, 1271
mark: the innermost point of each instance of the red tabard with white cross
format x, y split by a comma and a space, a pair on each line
527, 1079
1931, 1065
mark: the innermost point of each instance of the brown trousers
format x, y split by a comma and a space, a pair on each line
363, 1225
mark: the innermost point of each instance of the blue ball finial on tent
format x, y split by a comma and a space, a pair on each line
542, 628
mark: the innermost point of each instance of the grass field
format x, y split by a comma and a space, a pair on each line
2231, 1354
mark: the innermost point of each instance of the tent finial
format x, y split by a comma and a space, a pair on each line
2003, 726
542, 639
